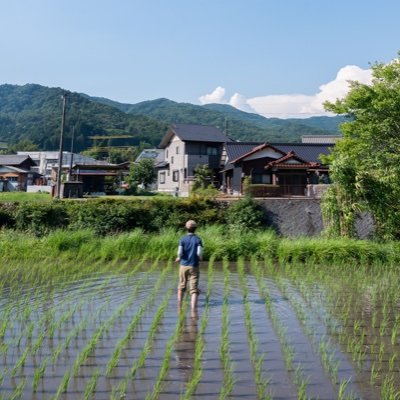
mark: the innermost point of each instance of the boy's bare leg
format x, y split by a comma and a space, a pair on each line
194, 301
180, 298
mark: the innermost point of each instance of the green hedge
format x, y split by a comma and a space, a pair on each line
109, 216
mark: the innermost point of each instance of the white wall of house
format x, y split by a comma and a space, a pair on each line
172, 179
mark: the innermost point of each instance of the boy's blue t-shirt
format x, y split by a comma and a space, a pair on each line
189, 255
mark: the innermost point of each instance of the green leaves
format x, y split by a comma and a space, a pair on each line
366, 163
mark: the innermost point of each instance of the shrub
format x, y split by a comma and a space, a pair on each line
40, 218
246, 214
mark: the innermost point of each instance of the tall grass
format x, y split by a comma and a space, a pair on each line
218, 241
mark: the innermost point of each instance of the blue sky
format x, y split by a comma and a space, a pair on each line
277, 58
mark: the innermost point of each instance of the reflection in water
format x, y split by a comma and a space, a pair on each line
185, 347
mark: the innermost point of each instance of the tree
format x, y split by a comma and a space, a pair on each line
366, 163
142, 173
23, 145
202, 177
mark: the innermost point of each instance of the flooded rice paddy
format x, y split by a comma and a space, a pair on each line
292, 332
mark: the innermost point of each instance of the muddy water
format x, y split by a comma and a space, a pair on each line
308, 343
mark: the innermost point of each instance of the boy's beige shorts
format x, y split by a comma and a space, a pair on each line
189, 276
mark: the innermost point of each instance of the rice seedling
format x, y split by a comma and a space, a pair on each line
19, 390
200, 344
91, 385
224, 350
257, 360
154, 394
342, 389
388, 390
135, 321
39, 373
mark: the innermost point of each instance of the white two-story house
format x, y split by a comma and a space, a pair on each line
185, 147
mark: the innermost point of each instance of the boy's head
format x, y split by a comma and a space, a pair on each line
190, 226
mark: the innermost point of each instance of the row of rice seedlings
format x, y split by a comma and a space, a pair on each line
191, 386
280, 329
380, 285
119, 391
257, 360
228, 382
90, 346
46, 327
92, 343
322, 345
384, 342
155, 393
40, 370
26, 333
113, 362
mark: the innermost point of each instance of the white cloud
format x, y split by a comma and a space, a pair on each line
217, 96
294, 105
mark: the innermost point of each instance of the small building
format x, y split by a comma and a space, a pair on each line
98, 178
185, 147
16, 172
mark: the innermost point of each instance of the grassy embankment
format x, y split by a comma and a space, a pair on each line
86, 246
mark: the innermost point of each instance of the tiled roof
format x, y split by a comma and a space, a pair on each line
14, 159
306, 151
235, 150
194, 133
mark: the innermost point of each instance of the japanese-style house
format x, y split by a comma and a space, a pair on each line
279, 169
16, 172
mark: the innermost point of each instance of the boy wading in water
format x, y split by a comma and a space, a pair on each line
190, 252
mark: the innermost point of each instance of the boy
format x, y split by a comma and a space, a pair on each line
190, 252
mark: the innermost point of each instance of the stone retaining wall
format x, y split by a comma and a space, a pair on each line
293, 217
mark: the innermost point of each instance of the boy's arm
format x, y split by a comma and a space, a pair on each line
200, 252
179, 255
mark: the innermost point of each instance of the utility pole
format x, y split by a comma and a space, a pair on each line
60, 154
226, 126
72, 154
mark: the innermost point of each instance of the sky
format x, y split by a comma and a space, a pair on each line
277, 58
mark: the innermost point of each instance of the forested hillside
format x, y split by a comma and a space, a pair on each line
33, 112
240, 125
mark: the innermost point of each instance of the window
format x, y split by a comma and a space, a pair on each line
172, 159
162, 177
166, 153
175, 176
177, 149
261, 178
212, 151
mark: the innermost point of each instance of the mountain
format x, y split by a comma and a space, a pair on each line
33, 112
240, 125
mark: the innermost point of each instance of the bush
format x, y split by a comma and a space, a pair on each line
246, 214
40, 218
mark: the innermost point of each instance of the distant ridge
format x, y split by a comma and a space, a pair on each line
33, 112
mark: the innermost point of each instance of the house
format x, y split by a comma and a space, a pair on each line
16, 172
47, 160
279, 168
185, 147
98, 177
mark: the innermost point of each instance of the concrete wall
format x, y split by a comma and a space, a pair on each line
302, 217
